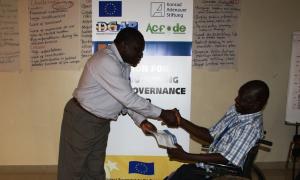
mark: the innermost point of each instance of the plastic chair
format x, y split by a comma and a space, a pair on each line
295, 152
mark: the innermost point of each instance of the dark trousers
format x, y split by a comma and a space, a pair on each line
190, 172
83, 142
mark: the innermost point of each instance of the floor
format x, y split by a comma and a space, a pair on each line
275, 172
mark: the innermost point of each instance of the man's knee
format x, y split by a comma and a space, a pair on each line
189, 171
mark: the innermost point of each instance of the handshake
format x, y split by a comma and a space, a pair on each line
171, 118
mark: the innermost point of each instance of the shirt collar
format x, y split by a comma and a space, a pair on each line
114, 49
246, 116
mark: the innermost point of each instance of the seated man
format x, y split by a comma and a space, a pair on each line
230, 139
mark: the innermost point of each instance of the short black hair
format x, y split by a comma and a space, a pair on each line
129, 35
258, 89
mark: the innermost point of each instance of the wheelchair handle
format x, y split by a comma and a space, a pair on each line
265, 142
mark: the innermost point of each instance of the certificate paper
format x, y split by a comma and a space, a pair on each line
165, 138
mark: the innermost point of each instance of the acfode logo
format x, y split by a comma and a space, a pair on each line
163, 29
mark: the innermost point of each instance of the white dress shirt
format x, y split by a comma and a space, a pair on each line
104, 88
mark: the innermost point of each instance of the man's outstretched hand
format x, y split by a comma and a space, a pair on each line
147, 127
170, 117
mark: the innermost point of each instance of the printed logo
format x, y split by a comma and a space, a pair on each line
109, 167
114, 26
163, 29
102, 46
110, 8
157, 9
141, 168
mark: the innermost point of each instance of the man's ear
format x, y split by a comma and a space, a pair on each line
258, 106
121, 47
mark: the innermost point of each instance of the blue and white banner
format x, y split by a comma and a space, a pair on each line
164, 76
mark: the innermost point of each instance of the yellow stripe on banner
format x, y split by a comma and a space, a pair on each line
117, 167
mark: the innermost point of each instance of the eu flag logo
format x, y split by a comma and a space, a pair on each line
141, 168
110, 8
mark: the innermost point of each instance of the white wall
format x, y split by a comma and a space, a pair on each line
266, 28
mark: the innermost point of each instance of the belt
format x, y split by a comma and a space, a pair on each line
79, 105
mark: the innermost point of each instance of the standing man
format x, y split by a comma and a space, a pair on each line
103, 92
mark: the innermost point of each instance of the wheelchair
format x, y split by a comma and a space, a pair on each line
221, 170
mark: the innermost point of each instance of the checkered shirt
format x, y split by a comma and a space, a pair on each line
241, 132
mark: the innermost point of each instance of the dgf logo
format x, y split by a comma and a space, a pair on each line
103, 26
162, 29
114, 26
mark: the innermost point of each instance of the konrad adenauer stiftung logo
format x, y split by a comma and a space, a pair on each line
157, 9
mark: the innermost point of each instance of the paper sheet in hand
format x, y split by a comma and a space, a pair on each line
165, 138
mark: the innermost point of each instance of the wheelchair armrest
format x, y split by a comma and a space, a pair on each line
265, 145
226, 169
265, 142
205, 148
